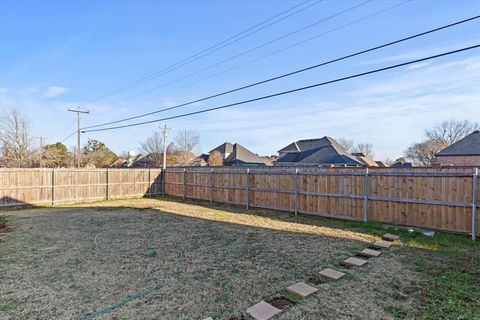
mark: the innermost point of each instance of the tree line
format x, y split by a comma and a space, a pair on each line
17, 149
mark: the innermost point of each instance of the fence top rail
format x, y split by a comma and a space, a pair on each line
77, 169
427, 172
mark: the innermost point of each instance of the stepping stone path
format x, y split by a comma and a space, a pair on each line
370, 253
390, 237
382, 244
263, 311
332, 274
354, 262
302, 289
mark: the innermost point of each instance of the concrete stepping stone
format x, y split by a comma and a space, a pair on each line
370, 253
390, 237
263, 311
302, 289
209, 318
382, 244
354, 262
332, 274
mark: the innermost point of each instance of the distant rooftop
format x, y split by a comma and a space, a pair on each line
468, 146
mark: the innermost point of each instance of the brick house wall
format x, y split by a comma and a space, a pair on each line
459, 160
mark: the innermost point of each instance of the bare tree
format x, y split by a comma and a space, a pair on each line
15, 141
423, 153
388, 162
153, 148
451, 131
365, 148
187, 143
346, 143
215, 159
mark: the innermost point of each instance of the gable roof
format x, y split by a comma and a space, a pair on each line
226, 147
468, 146
322, 151
308, 144
241, 155
366, 159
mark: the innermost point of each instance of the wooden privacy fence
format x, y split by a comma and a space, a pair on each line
55, 186
444, 199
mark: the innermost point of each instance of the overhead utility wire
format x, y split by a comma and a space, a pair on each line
292, 91
211, 49
291, 73
68, 136
278, 51
252, 49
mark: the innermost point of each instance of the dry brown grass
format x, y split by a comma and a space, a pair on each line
50, 267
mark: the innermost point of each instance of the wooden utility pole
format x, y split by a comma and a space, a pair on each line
40, 150
78, 111
165, 134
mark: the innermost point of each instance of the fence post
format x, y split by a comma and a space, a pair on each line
106, 186
163, 175
211, 185
184, 183
296, 191
365, 201
53, 186
474, 203
247, 187
149, 183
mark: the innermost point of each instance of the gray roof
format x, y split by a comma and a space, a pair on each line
323, 151
242, 156
226, 147
402, 165
308, 144
468, 146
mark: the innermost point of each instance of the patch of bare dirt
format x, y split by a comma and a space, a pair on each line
281, 302
316, 280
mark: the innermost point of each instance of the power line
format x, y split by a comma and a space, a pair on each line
220, 45
68, 136
293, 72
292, 90
279, 50
254, 48
368, 104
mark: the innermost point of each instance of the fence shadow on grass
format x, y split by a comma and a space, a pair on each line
371, 228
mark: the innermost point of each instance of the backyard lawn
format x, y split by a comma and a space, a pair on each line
169, 259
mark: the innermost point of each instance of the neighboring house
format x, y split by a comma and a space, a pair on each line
465, 152
200, 161
225, 150
381, 164
139, 161
241, 156
321, 152
401, 165
234, 155
129, 161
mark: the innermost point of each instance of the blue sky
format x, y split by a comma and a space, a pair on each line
58, 55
